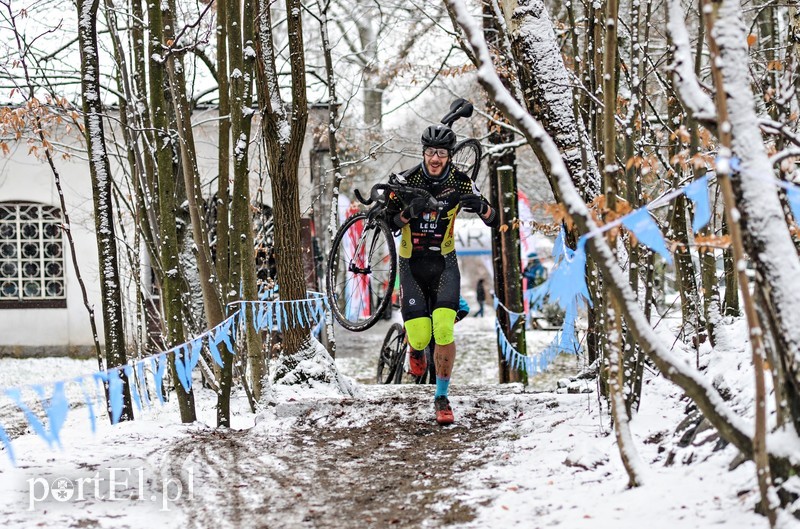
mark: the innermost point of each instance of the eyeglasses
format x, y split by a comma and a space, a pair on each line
432, 151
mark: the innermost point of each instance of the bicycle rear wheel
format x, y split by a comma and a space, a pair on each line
361, 271
393, 351
467, 158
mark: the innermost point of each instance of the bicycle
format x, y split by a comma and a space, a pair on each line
362, 266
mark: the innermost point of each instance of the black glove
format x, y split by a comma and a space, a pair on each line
415, 208
474, 204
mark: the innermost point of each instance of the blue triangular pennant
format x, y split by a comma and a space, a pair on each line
133, 386
101, 390
642, 225
56, 408
87, 399
262, 317
159, 367
15, 395
793, 195
7, 443
559, 245
225, 329
567, 282
234, 326
311, 311
513, 317
142, 382
254, 312
181, 356
115, 388
212, 347
697, 192
197, 349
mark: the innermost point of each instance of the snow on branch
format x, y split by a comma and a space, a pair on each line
688, 87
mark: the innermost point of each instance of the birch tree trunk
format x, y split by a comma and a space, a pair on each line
110, 285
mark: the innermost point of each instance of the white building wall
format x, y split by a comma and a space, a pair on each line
24, 178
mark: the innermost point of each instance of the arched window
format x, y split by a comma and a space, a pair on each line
31, 256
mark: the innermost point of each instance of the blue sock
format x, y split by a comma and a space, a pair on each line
441, 386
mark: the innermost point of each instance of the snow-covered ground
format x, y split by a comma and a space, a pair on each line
515, 457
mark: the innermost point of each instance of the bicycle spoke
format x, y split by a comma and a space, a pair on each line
361, 272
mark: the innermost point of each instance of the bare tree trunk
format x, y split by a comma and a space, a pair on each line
284, 129
731, 302
619, 406
544, 80
171, 281
761, 458
333, 150
503, 193
546, 83
224, 153
110, 285
212, 298
243, 260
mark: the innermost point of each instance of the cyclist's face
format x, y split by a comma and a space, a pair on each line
435, 160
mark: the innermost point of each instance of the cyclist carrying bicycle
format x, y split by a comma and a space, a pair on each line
430, 280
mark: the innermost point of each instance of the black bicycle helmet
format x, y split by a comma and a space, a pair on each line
439, 136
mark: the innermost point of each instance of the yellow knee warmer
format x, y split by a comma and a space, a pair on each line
443, 321
418, 332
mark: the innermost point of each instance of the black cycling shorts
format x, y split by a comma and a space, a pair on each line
429, 281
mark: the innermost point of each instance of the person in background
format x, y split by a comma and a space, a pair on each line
535, 273
480, 295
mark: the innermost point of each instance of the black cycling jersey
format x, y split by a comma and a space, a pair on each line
432, 232
429, 275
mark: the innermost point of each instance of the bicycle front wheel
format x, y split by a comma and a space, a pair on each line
361, 271
393, 351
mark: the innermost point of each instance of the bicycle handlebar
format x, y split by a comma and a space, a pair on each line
380, 194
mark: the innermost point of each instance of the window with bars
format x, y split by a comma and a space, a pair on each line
31, 256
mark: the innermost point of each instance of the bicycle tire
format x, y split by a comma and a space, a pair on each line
393, 348
377, 264
467, 156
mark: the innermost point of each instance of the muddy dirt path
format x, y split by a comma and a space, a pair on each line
378, 461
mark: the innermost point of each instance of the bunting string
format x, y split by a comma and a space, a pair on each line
566, 284
53, 399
